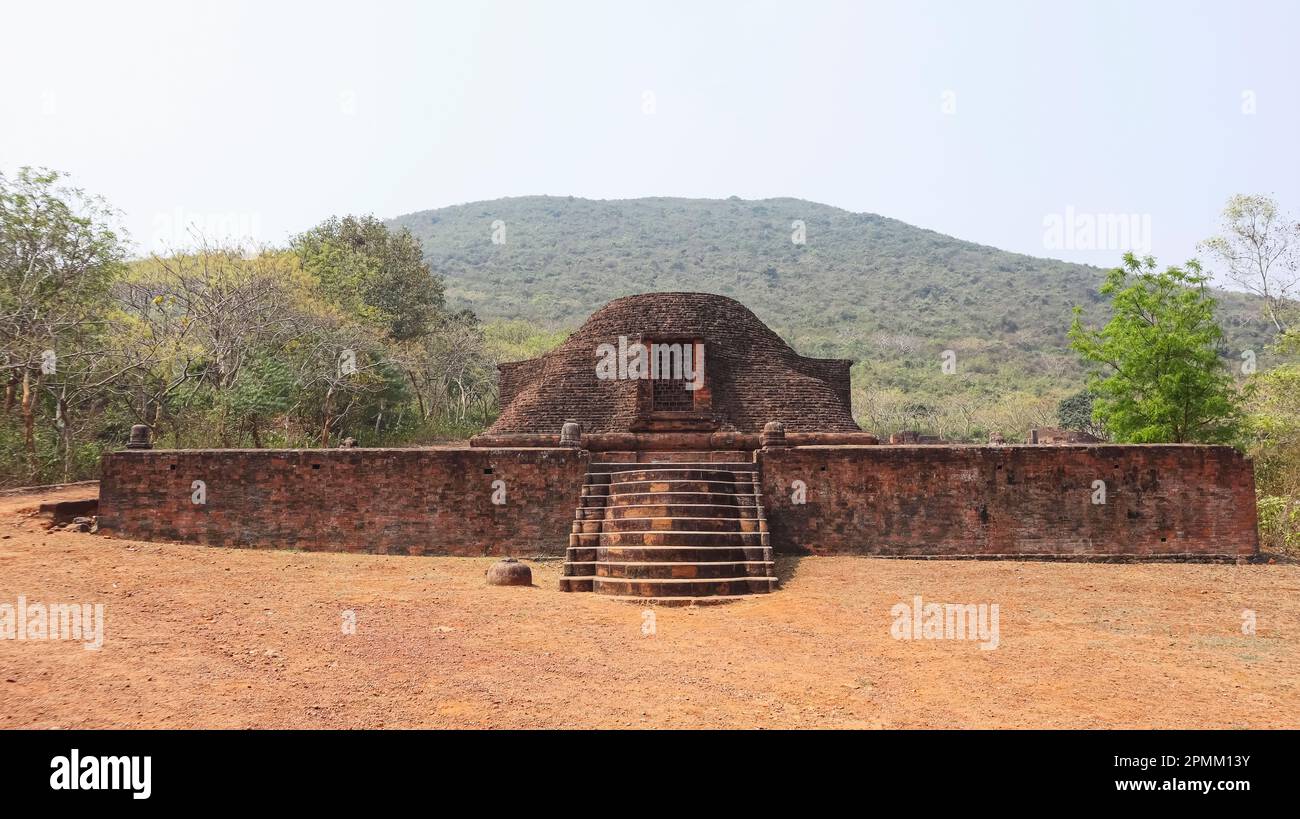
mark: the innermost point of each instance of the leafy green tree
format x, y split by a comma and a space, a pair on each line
265, 388
374, 273
1161, 379
1075, 412
1274, 445
58, 255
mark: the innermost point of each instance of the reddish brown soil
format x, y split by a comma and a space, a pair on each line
211, 637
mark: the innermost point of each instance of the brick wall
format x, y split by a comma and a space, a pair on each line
387, 501
1019, 500
1166, 501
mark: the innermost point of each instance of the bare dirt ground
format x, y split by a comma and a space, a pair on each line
223, 638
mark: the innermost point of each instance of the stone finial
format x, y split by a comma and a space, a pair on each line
509, 572
571, 434
773, 434
140, 438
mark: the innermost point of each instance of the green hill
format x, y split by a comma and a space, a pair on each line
889, 295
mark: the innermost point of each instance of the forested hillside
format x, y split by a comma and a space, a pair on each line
354, 331
891, 296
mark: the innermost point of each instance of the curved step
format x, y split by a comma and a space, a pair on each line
671, 510
682, 538
580, 554
678, 569
715, 498
673, 538
682, 587
682, 554
637, 475
630, 466
576, 584
677, 485
579, 568
680, 524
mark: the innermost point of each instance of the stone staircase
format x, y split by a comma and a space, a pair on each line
672, 528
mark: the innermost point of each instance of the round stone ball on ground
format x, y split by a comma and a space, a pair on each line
509, 572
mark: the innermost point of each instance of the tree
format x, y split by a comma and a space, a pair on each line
1261, 250
373, 273
214, 311
340, 369
1273, 426
450, 370
266, 388
1161, 379
81, 384
58, 253
1075, 412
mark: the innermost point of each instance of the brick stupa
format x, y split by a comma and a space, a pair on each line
751, 376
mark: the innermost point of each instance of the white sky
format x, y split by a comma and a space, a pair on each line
264, 118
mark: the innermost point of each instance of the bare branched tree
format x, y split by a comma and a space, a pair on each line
1260, 250
211, 310
58, 254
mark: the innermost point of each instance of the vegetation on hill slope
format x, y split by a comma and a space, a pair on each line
888, 295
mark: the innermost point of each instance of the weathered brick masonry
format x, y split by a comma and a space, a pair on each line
1161, 501
386, 501
690, 487
751, 376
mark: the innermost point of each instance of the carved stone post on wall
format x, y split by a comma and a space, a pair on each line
571, 434
140, 438
773, 435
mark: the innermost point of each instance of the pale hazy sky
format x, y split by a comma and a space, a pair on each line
976, 119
